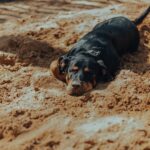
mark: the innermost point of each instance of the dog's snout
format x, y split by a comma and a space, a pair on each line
76, 84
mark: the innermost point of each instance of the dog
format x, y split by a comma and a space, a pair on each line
96, 56
6, 1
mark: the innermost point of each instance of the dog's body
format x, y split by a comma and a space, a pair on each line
96, 56
108, 41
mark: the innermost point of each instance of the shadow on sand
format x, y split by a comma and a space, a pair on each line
27, 51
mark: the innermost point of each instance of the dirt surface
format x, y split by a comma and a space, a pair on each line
35, 111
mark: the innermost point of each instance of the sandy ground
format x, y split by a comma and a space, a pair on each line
35, 111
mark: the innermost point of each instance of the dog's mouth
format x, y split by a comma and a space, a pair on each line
79, 89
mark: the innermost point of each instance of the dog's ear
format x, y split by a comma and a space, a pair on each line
54, 68
63, 62
59, 67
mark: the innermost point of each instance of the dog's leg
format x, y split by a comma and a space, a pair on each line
54, 68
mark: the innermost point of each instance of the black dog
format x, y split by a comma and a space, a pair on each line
96, 56
6, 0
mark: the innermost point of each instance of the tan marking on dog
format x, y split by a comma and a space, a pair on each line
86, 69
68, 81
75, 68
85, 87
62, 64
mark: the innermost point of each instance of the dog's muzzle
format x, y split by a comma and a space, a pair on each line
78, 88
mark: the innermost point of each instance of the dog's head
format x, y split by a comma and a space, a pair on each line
83, 74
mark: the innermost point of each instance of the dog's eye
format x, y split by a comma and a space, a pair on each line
75, 69
87, 70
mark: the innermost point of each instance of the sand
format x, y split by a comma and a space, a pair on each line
35, 110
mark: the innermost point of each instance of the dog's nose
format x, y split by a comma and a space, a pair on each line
76, 84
